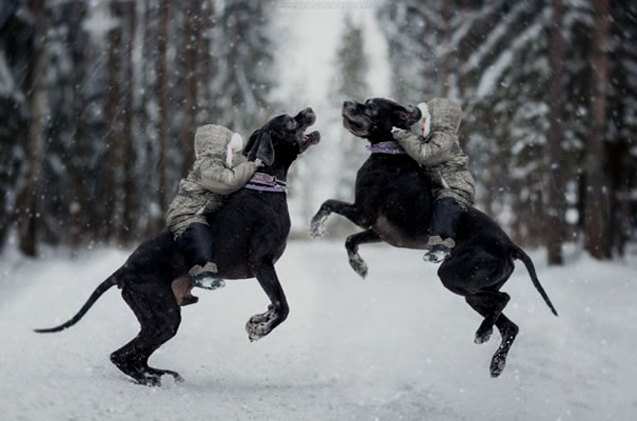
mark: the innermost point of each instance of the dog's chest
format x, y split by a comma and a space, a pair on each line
392, 194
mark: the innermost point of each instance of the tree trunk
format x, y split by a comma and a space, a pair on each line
596, 223
163, 93
556, 201
622, 170
446, 60
126, 229
114, 133
205, 25
147, 179
77, 180
27, 204
190, 40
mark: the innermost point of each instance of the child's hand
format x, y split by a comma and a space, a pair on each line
258, 162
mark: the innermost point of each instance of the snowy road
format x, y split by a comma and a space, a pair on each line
393, 346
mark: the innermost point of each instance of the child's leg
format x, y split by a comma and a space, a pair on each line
442, 232
197, 245
444, 219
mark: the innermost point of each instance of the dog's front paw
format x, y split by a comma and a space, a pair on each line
317, 225
260, 325
358, 264
257, 331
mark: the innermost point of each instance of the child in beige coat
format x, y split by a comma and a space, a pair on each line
433, 142
218, 170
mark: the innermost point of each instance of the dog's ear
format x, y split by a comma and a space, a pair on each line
265, 151
260, 146
404, 117
251, 141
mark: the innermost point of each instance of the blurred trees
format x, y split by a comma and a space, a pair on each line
548, 93
349, 81
100, 105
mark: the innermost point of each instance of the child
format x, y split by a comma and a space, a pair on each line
213, 176
433, 142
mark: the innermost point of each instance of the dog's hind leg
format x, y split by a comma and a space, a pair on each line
349, 211
489, 304
508, 331
351, 245
478, 277
159, 316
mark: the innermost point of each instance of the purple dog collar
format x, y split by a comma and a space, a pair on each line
266, 183
389, 148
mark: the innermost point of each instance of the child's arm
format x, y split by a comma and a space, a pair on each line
218, 178
433, 150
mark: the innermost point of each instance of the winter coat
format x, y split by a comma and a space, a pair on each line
211, 178
440, 152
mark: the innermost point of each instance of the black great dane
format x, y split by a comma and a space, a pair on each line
251, 231
393, 203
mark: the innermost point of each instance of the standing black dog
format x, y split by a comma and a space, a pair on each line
251, 232
393, 204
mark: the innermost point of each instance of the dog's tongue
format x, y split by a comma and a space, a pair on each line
309, 139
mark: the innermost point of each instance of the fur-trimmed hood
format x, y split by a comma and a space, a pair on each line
216, 141
445, 114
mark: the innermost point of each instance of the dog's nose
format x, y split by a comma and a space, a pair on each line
308, 114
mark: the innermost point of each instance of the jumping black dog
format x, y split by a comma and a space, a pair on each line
251, 232
393, 203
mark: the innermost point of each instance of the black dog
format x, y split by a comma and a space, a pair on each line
393, 204
251, 232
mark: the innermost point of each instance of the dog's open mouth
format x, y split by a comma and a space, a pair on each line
355, 126
308, 139
311, 138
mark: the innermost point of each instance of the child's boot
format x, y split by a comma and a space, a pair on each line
438, 249
205, 276
444, 223
197, 244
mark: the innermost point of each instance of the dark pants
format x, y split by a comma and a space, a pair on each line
197, 244
445, 217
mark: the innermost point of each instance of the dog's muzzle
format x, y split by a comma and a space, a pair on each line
307, 118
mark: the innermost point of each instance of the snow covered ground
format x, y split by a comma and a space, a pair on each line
394, 346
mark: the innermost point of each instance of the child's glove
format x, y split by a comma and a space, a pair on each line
258, 162
395, 131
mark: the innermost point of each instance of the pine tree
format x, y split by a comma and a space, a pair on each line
242, 65
623, 115
28, 204
15, 41
350, 83
556, 201
597, 211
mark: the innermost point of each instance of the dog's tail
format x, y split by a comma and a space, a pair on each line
101, 289
518, 253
